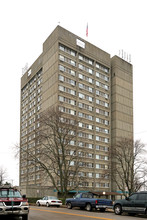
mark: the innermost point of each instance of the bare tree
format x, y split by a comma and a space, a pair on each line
129, 165
55, 152
3, 175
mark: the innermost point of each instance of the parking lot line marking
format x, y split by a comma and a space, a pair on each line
66, 213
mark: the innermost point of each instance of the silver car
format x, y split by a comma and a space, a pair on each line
49, 201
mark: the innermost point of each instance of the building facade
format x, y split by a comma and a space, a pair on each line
84, 81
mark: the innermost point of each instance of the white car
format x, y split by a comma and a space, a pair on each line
49, 201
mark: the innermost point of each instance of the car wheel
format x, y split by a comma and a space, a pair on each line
38, 203
88, 207
24, 217
69, 206
102, 210
47, 204
118, 209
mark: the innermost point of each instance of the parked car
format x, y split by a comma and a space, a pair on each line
49, 201
134, 204
12, 203
87, 201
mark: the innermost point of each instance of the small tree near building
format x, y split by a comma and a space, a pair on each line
129, 165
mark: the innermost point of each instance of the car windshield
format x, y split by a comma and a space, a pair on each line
52, 197
9, 193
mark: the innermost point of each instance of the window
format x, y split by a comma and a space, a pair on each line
61, 78
61, 88
90, 80
102, 148
10, 193
72, 82
81, 96
90, 165
80, 144
90, 71
72, 92
72, 72
67, 50
90, 117
89, 155
80, 105
90, 89
82, 164
102, 112
97, 83
73, 62
102, 76
81, 154
72, 102
71, 163
106, 140
101, 166
67, 100
29, 72
90, 127
106, 87
90, 136
61, 98
142, 196
97, 157
104, 68
102, 121
61, 57
72, 142
67, 90
71, 152
61, 68
80, 76
82, 67
37, 177
38, 99
98, 185
90, 175
97, 175
67, 60
80, 124
87, 88
101, 157
72, 112
85, 59
90, 99
83, 115
78, 196
97, 138
102, 94
89, 146
102, 85
133, 197
97, 166
102, 130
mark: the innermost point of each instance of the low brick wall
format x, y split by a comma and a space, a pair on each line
37, 191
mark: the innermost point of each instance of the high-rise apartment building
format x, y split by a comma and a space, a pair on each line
85, 81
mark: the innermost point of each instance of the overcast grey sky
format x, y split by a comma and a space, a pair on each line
113, 25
